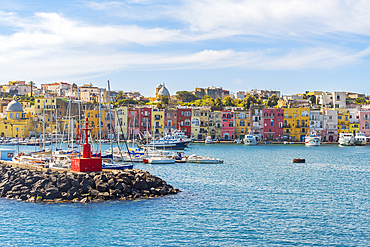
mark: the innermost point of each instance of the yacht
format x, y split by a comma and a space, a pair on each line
174, 140
208, 140
312, 139
346, 139
360, 139
250, 140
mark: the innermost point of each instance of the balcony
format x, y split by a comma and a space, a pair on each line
286, 126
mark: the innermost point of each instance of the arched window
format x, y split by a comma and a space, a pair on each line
187, 122
231, 124
242, 115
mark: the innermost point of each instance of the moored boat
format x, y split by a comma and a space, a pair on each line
208, 140
360, 139
346, 139
203, 160
312, 139
250, 140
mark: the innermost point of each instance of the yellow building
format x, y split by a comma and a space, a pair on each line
296, 123
343, 120
16, 123
354, 127
199, 122
44, 103
242, 123
121, 114
157, 122
215, 125
92, 115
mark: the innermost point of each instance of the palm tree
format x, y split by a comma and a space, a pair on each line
31, 83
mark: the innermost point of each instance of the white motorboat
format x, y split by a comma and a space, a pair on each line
346, 139
208, 140
173, 140
312, 139
360, 139
161, 160
203, 160
250, 140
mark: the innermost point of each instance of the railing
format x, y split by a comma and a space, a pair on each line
286, 126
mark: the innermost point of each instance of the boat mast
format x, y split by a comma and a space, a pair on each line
99, 122
110, 120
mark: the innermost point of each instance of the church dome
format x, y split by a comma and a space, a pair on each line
14, 105
163, 92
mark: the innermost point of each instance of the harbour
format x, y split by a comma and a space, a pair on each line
257, 197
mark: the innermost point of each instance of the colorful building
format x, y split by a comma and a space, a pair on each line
296, 123
343, 120
184, 120
170, 120
215, 125
242, 122
145, 120
157, 122
121, 114
364, 121
273, 124
257, 120
228, 129
16, 123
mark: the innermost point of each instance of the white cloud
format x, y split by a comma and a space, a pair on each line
238, 81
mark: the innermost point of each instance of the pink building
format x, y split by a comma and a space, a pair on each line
228, 129
273, 124
133, 122
145, 119
364, 120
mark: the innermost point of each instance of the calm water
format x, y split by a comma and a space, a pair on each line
257, 198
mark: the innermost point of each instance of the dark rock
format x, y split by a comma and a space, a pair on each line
52, 190
111, 182
72, 191
64, 186
118, 186
102, 187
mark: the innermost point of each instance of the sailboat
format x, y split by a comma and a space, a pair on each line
111, 163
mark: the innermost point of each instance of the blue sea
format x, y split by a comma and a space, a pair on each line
258, 197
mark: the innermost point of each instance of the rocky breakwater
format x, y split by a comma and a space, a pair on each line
55, 186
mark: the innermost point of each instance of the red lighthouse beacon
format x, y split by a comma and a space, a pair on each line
86, 163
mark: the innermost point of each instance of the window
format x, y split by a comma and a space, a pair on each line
366, 117
17, 115
242, 115
281, 125
339, 117
187, 122
294, 115
367, 125
10, 115
346, 118
231, 124
187, 114
338, 97
272, 123
88, 114
242, 123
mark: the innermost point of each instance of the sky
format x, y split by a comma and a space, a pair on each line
288, 45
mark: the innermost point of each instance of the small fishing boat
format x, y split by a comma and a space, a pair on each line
203, 160
298, 160
161, 160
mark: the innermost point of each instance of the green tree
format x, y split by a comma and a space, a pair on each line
259, 101
228, 101
185, 96
31, 84
165, 100
313, 99
272, 100
248, 100
360, 101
